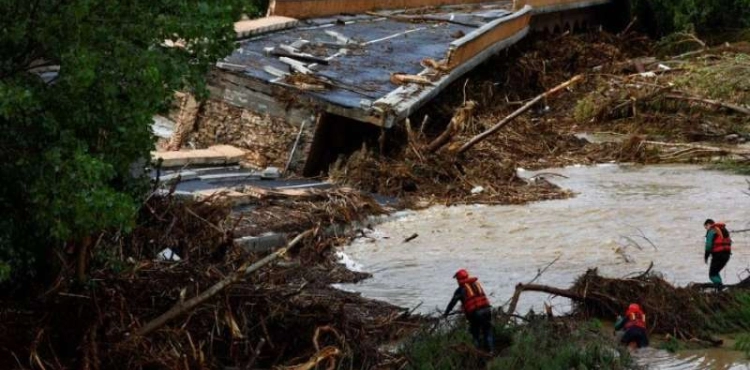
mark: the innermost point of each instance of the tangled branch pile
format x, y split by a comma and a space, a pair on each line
703, 97
425, 164
688, 313
286, 314
685, 312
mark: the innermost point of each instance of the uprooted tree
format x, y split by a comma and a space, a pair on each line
79, 83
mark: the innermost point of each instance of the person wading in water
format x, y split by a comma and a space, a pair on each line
719, 248
477, 309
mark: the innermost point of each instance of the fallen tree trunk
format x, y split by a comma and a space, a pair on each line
567, 293
518, 112
187, 306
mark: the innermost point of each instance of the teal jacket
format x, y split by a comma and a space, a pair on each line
620, 323
710, 236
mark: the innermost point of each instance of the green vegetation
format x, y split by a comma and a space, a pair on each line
663, 17
671, 345
733, 317
79, 83
726, 79
537, 344
743, 344
732, 165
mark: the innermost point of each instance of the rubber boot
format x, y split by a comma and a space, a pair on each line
716, 279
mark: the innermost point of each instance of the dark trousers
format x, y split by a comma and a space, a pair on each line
718, 261
637, 335
480, 327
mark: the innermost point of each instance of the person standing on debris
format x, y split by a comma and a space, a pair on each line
477, 309
719, 248
634, 323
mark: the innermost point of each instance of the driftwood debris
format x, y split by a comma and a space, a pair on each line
183, 307
403, 79
680, 311
716, 103
458, 122
517, 113
411, 237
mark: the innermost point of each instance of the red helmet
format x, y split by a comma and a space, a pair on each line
461, 274
634, 307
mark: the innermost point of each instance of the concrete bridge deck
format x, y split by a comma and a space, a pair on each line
300, 85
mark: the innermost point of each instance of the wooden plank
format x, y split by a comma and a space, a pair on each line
253, 27
546, 6
405, 100
467, 47
303, 9
217, 154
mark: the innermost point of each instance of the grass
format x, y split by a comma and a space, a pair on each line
672, 345
733, 166
727, 79
732, 319
538, 344
743, 344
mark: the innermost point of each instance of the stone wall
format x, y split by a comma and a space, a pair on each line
268, 140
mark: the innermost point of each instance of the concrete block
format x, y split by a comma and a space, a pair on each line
252, 27
215, 155
261, 244
271, 173
183, 176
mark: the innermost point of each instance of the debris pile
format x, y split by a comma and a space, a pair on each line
265, 138
427, 164
690, 313
285, 314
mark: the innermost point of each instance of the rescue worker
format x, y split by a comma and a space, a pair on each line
634, 323
719, 248
477, 309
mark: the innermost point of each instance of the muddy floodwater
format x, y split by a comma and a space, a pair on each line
622, 219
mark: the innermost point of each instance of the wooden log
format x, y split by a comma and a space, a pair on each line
183, 307
716, 103
475, 140
462, 116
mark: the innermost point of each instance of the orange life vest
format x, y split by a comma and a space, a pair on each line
474, 297
635, 318
722, 241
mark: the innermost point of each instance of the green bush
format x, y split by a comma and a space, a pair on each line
538, 344
73, 139
663, 17
743, 344
543, 344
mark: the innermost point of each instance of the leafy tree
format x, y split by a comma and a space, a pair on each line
79, 83
703, 16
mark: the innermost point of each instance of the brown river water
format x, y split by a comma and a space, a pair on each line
504, 245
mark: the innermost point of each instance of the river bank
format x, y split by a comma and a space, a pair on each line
288, 316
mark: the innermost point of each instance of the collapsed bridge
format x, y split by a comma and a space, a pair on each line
314, 74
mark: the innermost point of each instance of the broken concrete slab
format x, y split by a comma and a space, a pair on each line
181, 175
218, 154
254, 27
163, 127
261, 244
231, 176
271, 173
